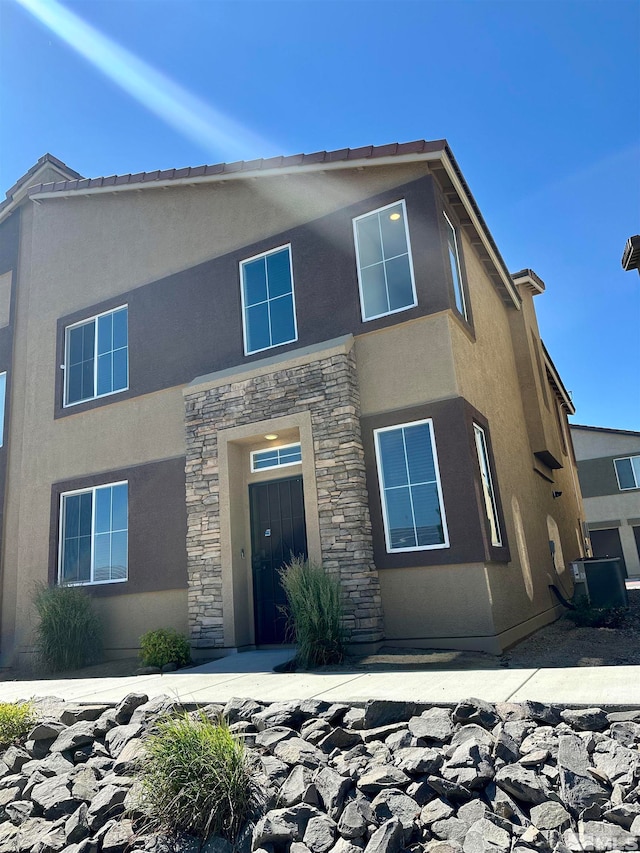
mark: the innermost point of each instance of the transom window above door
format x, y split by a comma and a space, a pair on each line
96, 357
268, 303
385, 268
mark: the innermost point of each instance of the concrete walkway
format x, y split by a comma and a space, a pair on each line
251, 675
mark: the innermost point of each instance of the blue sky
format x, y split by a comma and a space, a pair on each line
540, 102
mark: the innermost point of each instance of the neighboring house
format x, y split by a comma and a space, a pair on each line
209, 369
609, 471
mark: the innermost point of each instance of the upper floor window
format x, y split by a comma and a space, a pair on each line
268, 305
96, 357
385, 268
456, 270
628, 472
490, 505
94, 535
412, 505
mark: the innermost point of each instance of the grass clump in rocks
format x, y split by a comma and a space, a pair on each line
196, 778
69, 631
16, 720
315, 613
163, 646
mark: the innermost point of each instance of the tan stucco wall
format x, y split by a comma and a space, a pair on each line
487, 376
383, 358
123, 615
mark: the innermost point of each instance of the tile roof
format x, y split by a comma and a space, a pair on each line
369, 152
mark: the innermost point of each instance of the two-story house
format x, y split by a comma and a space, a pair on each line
209, 369
609, 472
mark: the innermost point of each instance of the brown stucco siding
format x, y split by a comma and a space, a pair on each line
205, 299
157, 526
598, 477
461, 490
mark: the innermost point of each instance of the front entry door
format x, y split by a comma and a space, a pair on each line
277, 531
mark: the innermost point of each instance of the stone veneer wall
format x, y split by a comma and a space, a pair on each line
328, 389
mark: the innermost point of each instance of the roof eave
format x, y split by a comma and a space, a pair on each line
557, 382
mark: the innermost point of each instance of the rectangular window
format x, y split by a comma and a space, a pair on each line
628, 472
385, 267
276, 457
3, 397
490, 506
456, 270
94, 535
96, 357
412, 505
268, 304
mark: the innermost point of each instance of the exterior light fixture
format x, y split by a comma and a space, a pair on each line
271, 436
556, 494
394, 216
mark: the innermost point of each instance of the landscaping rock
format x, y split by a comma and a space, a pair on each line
384, 776
54, 798
352, 823
550, 815
381, 712
295, 750
393, 803
74, 736
586, 719
476, 711
107, 803
433, 725
521, 783
485, 837
320, 834
387, 839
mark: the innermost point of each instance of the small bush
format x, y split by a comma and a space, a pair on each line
69, 632
585, 616
315, 613
196, 778
16, 719
163, 646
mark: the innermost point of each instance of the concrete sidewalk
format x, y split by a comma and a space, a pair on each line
251, 675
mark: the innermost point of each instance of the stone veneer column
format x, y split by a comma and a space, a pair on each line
327, 387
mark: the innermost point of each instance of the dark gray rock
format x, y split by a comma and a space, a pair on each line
384, 776
550, 815
294, 787
119, 737
401, 739
433, 725
619, 763
241, 710
579, 792
626, 733
387, 839
416, 760
472, 811
541, 712
118, 837
30, 834
586, 719
382, 732
339, 738
297, 751
105, 722
623, 814
435, 810
470, 765
395, 803
535, 758
452, 791
276, 771
597, 835
521, 783
84, 783
77, 827
126, 707
216, 844
19, 810
130, 757
74, 736
320, 834
381, 712
476, 711
332, 789
450, 829
154, 709
505, 747
282, 826
485, 837
72, 714
107, 804
315, 730
46, 730
54, 797
573, 755
15, 758
289, 714
449, 846
353, 822
472, 731
269, 738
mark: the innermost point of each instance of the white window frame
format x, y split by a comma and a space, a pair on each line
3, 406
402, 202
92, 490
293, 300
463, 297
633, 471
387, 537
490, 500
94, 318
278, 464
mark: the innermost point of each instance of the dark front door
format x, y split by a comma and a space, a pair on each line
277, 531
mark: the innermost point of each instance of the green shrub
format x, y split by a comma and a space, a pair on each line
585, 616
196, 778
16, 719
315, 613
69, 632
163, 646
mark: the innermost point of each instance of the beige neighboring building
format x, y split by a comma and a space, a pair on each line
209, 369
609, 471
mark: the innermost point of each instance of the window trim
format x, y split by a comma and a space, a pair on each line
465, 311
479, 430
355, 220
383, 502
85, 490
3, 397
94, 318
278, 464
622, 459
244, 307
